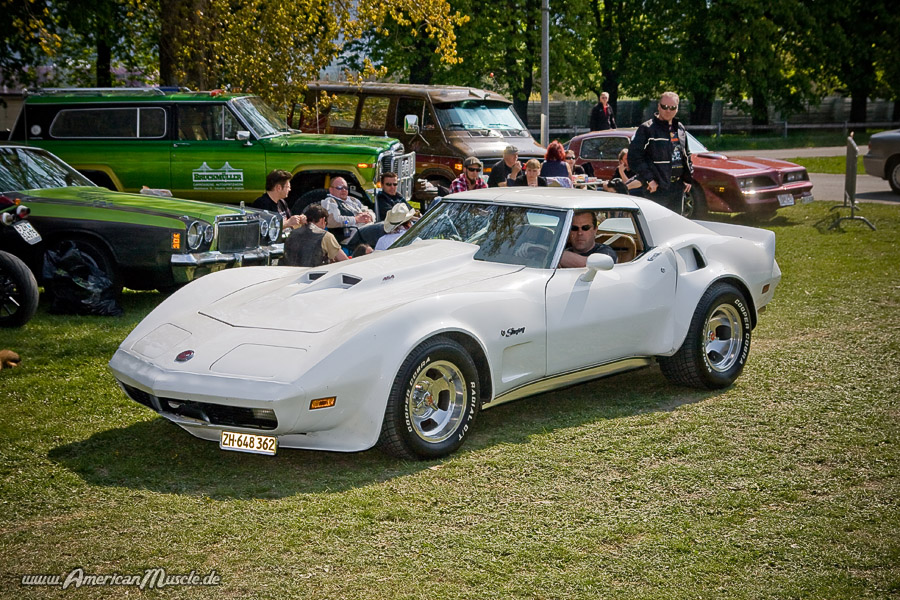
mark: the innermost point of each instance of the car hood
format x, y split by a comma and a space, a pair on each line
488, 145
135, 203
328, 144
315, 300
744, 165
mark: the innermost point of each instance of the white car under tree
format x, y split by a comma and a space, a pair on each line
402, 349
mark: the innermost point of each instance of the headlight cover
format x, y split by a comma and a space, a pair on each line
195, 235
274, 228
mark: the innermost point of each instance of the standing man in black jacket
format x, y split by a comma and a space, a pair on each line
659, 155
602, 115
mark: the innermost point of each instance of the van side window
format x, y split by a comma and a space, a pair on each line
374, 112
342, 112
110, 123
413, 106
206, 123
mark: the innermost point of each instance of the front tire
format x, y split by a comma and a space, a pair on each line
694, 206
717, 343
18, 292
433, 402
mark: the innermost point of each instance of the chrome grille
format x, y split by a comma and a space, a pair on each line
404, 165
238, 235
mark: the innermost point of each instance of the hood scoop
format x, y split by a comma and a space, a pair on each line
339, 280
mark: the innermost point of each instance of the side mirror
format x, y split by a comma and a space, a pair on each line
411, 124
597, 262
242, 136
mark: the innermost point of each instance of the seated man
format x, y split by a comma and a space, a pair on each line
344, 211
582, 241
311, 245
278, 186
389, 195
396, 222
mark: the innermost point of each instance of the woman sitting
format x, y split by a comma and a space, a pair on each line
529, 177
555, 164
624, 181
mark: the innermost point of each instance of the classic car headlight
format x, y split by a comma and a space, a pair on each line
195, 235
274, 228
208, 233
746, 183
263, 228
794, 176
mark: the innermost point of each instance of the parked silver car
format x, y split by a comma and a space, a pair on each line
883, 159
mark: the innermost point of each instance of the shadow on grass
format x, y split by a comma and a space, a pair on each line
159, 456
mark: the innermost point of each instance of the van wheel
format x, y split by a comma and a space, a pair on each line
306, 199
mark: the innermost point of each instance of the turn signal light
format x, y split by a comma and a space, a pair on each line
365, 165
457, 167
322, 403
176, 241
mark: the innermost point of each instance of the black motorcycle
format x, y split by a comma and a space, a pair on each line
18, 287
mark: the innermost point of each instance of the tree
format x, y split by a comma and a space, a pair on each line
273, 47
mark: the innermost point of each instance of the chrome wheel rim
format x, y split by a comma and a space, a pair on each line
438, 401
723, 337
895, 175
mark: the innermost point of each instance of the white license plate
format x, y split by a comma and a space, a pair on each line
248, 442
785, 200
28, 233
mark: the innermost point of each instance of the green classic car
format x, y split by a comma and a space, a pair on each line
210, 146
139, 241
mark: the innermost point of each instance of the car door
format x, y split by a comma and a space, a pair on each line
623, 312
208, 162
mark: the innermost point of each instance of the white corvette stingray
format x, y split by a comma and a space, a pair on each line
402, 348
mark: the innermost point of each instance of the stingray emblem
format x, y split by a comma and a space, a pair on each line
184, 356
511, 332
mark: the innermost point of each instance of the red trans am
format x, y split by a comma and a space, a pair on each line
758, 186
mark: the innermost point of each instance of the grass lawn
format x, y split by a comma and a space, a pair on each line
797, 138
783, 486
836, 165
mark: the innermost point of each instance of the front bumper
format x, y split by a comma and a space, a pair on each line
188, 267
770, 199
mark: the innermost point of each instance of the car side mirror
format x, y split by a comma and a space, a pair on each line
597, 262
242, 136
411, 124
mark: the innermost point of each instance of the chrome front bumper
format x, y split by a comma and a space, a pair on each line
187, 267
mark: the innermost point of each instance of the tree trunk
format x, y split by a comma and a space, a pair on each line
169, 16
701, 109
104, 62
858, 103
760, 110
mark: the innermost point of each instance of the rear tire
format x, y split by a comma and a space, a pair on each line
18, 291
433, 402
717, 343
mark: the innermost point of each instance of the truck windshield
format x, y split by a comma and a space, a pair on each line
478, 114
263, 121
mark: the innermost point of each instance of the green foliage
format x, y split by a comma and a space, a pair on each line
783, 486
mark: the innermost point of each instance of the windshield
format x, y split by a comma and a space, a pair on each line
478, 114
259, 116
513, 235
30, 169
694, 145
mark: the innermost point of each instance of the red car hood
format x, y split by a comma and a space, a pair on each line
746, 165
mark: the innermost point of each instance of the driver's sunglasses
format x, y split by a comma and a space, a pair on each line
667, 107
576, 228
390, 183
476, 169
570, 158
340, 188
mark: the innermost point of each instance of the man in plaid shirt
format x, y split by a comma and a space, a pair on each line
470, 178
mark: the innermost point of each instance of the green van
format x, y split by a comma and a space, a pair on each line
211, 146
